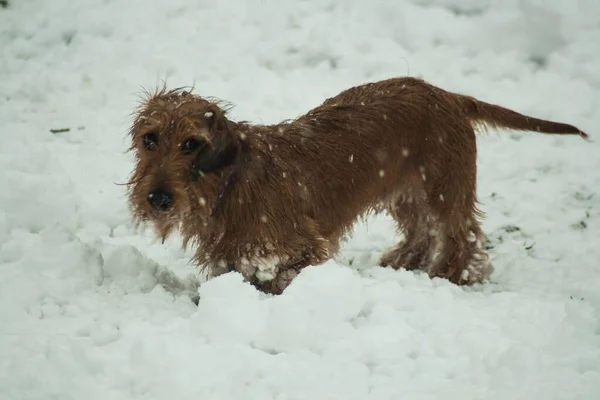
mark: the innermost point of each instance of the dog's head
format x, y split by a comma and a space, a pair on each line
181, 141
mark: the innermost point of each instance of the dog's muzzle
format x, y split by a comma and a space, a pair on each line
160, 199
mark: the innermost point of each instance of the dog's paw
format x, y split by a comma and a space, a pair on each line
262, 266
277, 285
403, 256
479, 268
284, 279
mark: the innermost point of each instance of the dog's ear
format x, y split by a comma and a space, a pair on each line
223, 148
213, 159
216, 120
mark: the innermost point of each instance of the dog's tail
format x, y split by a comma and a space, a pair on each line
495, 116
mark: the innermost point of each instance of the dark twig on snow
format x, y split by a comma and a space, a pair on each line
58, 130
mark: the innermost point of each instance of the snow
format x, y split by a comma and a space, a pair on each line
91, 308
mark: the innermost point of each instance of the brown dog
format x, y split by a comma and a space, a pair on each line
268, 200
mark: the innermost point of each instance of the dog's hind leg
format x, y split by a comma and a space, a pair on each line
451, 195
460, 256
439, 238
417, 226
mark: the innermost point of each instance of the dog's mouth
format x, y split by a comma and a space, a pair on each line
163, 222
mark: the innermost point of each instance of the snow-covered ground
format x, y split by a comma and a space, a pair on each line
90, 309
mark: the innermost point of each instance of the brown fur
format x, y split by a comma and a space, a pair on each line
285, 195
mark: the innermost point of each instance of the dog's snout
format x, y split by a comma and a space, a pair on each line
160, 199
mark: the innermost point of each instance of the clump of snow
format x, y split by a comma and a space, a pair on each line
91, 307
266, 267
229, 311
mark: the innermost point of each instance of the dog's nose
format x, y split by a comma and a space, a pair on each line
160, 199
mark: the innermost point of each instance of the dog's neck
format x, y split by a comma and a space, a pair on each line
246, 156
221, 193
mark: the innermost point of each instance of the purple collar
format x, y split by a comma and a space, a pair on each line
221, 192
228, 182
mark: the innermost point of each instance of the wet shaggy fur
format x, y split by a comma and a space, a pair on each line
269, 200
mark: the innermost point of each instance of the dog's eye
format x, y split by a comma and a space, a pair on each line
190, 145
151, 140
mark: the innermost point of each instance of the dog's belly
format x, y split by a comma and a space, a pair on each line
336, 202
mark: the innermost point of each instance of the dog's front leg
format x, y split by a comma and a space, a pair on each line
263, 267
270, 273
285, 275
287, 271
272, 269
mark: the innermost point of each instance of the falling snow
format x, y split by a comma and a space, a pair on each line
422, 170
472, 238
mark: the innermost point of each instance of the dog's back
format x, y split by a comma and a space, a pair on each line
421, 94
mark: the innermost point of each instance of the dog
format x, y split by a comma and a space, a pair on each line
269, 200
